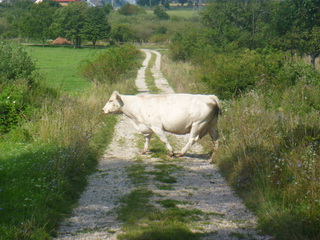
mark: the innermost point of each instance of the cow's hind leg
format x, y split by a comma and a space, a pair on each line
213, 131
146, 144
162, 135
193, 138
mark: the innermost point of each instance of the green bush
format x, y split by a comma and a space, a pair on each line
122, 33
111, 65
130, 9
15, 63
185, 44
161, 13
19, 91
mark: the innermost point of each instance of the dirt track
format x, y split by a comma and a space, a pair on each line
199, 185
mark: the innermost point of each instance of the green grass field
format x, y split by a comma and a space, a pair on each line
61, 66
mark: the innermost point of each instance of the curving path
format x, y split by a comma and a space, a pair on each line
199, 184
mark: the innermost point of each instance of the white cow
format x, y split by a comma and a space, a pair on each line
174, 113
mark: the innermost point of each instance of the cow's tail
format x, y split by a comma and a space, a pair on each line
217, 103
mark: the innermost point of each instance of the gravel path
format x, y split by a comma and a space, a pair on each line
199, 185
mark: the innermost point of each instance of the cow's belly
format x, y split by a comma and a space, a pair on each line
177, 127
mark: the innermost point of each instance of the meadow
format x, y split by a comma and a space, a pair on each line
61, 66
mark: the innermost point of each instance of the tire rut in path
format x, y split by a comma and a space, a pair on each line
199, 185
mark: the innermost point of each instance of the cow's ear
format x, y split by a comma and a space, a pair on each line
117, 96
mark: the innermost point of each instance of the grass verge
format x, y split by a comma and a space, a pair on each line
45, 159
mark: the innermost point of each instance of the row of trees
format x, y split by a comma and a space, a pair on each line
289, 25
48, 20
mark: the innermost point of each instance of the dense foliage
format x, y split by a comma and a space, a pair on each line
49, 20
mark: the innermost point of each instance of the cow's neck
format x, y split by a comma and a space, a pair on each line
128, 108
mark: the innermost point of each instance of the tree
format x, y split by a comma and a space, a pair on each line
310, 44
130, 9
16, 10
70, 21
297, 23
35, 23
160, 13
182, 2
241, 21
96, 24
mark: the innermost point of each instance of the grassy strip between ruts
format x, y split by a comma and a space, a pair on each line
149, 77
143, 220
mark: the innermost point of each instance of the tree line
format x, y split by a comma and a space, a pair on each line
288, 25
48, 19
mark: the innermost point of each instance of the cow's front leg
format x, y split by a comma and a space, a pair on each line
146, 144
162, 135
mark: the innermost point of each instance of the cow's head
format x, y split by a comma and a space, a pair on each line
114, 104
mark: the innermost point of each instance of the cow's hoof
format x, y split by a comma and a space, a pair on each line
143, 153
180, 155
171, 154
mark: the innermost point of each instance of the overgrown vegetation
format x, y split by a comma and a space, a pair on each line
269, 145
50, 142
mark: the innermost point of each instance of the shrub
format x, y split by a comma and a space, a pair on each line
130, 9
111, 65
185, 44
122, 33
160, 12
15, 63
19, 89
